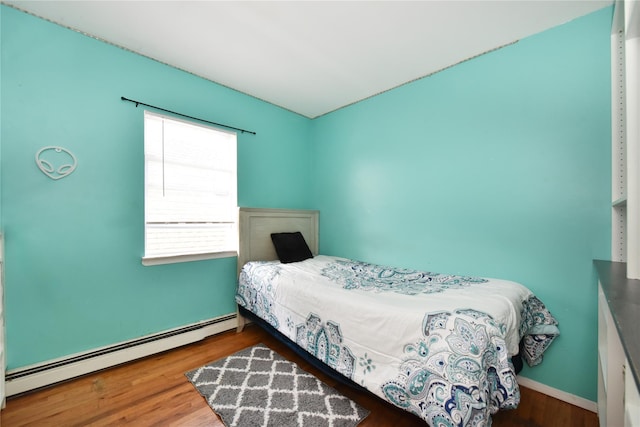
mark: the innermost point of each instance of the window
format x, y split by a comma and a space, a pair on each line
190, 201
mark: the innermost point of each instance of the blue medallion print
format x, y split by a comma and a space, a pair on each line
537, 330
371, 277
458, 374
255, 289
324, 341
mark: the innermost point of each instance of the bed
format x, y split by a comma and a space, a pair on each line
439, 346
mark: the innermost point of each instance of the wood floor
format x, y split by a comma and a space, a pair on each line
155, 392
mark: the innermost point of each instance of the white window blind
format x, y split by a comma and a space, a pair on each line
190, 189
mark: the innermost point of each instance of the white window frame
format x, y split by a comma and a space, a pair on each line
228, 215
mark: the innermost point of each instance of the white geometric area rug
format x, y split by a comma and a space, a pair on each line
258, 387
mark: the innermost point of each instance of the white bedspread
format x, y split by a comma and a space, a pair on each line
436, 345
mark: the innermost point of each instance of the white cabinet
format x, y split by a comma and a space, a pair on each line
618, 396
611, 367
631, 400
618, 401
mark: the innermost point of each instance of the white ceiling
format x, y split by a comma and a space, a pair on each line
311, 57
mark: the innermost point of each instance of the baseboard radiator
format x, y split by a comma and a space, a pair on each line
47, 373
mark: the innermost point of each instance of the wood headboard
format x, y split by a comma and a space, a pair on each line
256, 226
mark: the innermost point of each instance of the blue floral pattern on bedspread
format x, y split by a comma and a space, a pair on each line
458, 374
324, 342
371, 277
538, 329
255, 289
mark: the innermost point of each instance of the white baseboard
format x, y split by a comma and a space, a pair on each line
53, 371
559, 394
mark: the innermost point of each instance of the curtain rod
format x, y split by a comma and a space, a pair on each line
184, 115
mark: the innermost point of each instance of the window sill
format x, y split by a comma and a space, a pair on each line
160, 260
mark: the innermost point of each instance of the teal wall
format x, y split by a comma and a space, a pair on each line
74, 280
498, 167
1, 10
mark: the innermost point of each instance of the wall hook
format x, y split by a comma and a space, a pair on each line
56, 162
